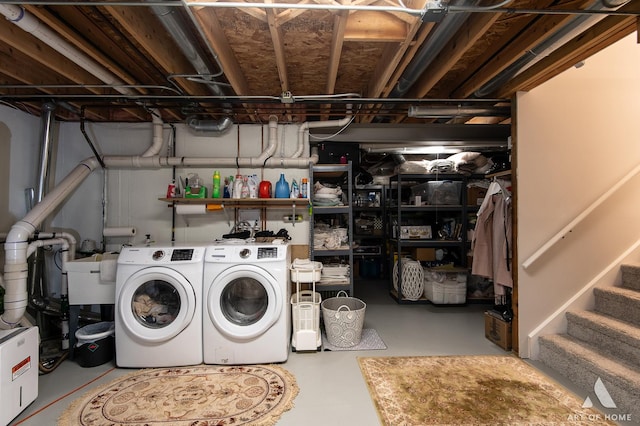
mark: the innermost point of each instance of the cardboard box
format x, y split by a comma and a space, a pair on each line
497, 330
299, 251
427, 254
475, 195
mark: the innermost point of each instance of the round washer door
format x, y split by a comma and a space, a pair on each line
244, 301
156, 304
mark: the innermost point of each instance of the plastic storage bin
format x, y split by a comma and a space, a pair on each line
445, 288
439, 192
95, 344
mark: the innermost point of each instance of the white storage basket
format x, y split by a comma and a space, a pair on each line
412, 279
305, 271
343, 318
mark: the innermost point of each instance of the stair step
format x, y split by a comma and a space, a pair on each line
618, 302
631, 276
618, 338
583, 364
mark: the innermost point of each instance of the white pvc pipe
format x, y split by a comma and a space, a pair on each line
67, 236
156, 144
16, 245
303, 131
31, 24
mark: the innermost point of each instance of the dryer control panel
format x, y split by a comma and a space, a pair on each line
160, 255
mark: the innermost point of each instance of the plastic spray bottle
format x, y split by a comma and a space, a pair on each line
216, 185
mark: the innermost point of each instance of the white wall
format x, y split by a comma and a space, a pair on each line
577, 135
19, 154
132, 196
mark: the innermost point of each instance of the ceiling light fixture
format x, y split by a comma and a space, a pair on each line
458, 111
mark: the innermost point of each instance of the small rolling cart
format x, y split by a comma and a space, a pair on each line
305, 306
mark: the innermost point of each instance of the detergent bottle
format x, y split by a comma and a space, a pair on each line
216, 185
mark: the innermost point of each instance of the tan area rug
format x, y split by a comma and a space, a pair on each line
469, 390
199, 395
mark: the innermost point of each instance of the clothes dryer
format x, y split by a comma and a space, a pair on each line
246, 315
158, 306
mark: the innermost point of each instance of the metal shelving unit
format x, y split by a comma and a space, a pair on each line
339, 174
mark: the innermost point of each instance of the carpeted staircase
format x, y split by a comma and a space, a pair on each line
604, 343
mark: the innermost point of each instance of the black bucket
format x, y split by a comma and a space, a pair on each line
95, 344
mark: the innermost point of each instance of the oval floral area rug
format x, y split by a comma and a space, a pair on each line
197, 395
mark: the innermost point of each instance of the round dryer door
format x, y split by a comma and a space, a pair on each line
244, 301
156, 304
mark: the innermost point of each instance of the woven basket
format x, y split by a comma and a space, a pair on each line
343, 318
412, 279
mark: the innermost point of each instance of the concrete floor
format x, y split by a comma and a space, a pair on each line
332, 389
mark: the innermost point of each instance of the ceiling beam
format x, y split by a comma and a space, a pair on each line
472, 30
145, 29
538, 31
374, 26
212, 29
596, 38
278, 48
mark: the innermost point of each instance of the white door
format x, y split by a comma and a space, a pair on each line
156, 304
244, 301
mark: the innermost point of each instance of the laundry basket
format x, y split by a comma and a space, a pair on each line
343, 318
412, 279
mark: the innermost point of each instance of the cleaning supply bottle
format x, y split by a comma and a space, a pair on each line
282, 187
304, 189
216, 185
237, 187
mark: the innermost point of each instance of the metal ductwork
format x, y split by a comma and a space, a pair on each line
430, 49
209, 126
575, 26
175, 25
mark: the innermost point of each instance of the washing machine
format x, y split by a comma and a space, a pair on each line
246, 314
158, 306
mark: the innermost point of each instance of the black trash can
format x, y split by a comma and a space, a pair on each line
95, 344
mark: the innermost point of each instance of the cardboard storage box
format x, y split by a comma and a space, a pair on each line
475, 195
427, 254
497, 330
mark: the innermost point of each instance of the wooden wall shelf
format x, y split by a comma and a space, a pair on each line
242, 202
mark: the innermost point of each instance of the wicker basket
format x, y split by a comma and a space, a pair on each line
412, 279
343, 318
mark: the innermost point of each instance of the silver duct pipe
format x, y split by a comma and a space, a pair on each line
188, 44
209, 126
47, 127
440, 36
575, 26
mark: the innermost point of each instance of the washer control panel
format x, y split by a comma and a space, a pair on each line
160, 255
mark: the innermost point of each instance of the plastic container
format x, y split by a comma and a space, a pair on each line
282, 187
95, 344
305, 271
215, 193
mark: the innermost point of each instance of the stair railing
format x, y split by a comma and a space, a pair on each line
569, 227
